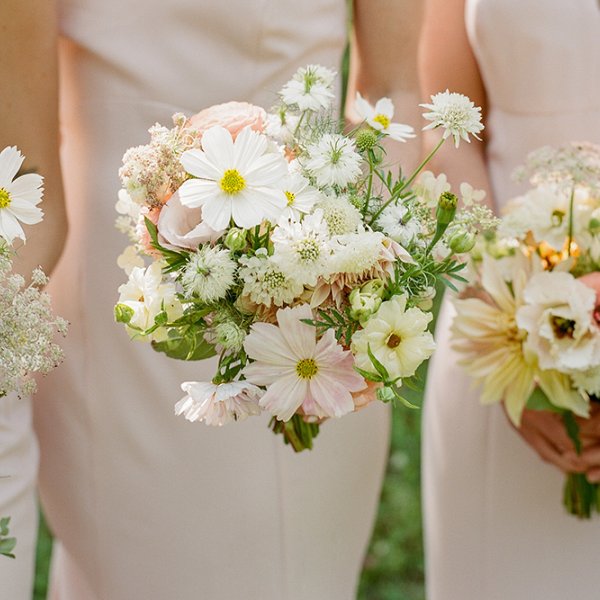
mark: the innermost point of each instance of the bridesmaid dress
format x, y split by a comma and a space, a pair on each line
146, 505
495, 526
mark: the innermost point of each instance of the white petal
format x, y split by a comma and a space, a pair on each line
196, 163
247, 209
10, 163
218, 145
248, 148
28, 186
267, 170
384, 106
266, 343
363, 108
196, 192
24, 211
300, 337
284, 397
9, 227
217, 212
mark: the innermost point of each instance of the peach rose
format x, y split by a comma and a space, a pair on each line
153, 215
233, 116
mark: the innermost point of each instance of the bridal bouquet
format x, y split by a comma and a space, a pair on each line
529, 323
281, 244
27, 325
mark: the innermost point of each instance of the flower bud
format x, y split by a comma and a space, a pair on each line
366, 139
230, 335
373, 287
235, 239
446, 208
362, 306
461, 241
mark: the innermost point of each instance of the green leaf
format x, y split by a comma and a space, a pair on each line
7, 545
161, 319
539, 401
187, 345
368, 375
174, 259
572, 429
378, 366
123, 313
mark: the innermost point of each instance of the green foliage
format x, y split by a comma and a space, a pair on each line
185, 343
7, 544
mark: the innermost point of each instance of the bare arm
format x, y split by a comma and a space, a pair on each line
383, 63
29, 117
446, 61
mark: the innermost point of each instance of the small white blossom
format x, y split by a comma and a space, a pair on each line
299, 195
340, 214
209, 274
311, 88
456, 114
429, 188
129, 259
380, 117
333, 160
397, 223
470, 196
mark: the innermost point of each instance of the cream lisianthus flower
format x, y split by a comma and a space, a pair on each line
18, 197
494, 349
240, 180
380, 117
299, 370
396, 336
558, 317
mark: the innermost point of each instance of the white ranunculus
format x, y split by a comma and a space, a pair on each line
557, 315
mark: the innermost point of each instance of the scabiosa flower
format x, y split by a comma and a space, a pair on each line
397, 222
302, 250
333, 160
18, 197
298, 370
380, 117
299, 195
239, 180
311, 88
218, 404
209, 274
340, 214
397, 337
456, 114
265, 282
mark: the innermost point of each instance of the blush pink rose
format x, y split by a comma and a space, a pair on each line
233, 116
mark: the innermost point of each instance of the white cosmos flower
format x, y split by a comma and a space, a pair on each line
218, 404
298, 370
396, 222
238, 180
380, 117
265, 282
18, 197
311, 88
209, 274
333, 160
456, 114
303, 250
397, 337
558, 316
299, 196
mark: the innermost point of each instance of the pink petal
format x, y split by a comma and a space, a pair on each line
266, 343
299, 337
284, 397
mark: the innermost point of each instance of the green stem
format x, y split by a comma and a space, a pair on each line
369, 183
571, 206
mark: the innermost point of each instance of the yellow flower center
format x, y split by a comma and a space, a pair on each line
307, 368
291, 198
232, 182
382, 120
5, 198
393, 341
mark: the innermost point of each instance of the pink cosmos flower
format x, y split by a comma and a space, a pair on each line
298, 370
233, 116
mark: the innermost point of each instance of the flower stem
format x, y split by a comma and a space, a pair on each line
571, 208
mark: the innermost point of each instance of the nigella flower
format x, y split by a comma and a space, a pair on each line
209, 274
218, 404
333, 160
298, 370
456, 114
380, 117
18, 197
311, 88
239, 180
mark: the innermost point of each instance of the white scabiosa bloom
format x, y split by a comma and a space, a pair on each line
340, 215
239, 180
311, 88
396, 222
298, 370
218, 404
397, 337
299, 195
454, 113
302, 250
18, 197
209, 274
265, 282
333, 160
380, 117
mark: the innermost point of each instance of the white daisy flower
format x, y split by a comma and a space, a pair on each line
396, 222
456, 114
397, 337
265, 283
299, 195
333, 160
18, 197
380, 117
340, 214
239, 180
299, 370
218, 404
302, 250
311, 88
209, 274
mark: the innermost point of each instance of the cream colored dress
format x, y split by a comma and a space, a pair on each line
495, 526
146, 505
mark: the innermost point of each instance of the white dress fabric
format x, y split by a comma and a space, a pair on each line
146, 505
18, 473
494, 521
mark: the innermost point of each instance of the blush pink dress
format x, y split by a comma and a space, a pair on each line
495, 525
146, 505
